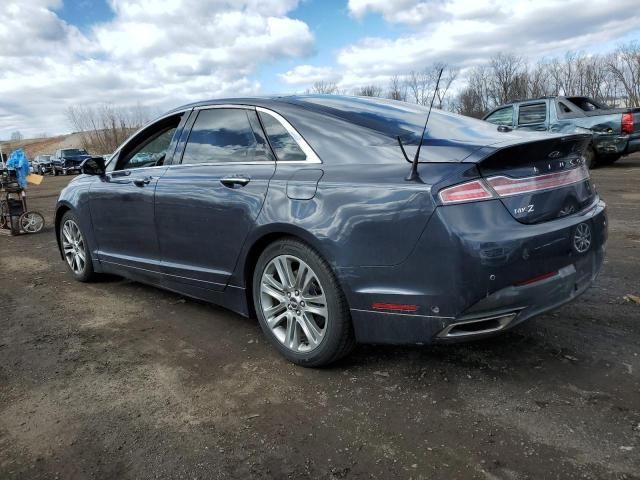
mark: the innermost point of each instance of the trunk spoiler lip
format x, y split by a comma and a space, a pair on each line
482, 153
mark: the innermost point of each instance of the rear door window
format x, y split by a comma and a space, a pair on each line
504, 116
532, 114
222, 135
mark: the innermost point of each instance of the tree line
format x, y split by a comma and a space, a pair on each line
612, 78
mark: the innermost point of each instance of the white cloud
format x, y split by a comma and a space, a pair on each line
396, 11
467, 32
160, 53
309, 74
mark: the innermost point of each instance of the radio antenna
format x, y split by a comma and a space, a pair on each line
413, 173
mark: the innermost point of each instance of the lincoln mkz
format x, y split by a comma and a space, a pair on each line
301, 211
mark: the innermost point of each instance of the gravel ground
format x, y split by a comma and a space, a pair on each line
120, 380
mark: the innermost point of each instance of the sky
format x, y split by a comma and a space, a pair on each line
163, 53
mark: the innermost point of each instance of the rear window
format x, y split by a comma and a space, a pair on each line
532, 114
585, 103
73, 152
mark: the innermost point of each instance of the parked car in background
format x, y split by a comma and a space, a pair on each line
42, 164
300, 210
615, 131
68, 160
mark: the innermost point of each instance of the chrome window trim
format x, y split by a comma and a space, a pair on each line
266, 162
312, 157
302, 143
225, 105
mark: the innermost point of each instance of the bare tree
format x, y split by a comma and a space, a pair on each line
449, 74
324, 86
368, 91
507, 80
397, 89
625, 66
476, 98
16, 136
104, 127
418, 84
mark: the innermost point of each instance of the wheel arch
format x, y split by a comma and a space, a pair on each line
60, 211
261, 239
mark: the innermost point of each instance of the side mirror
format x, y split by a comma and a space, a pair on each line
93, 166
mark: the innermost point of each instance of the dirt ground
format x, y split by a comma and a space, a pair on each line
119, 380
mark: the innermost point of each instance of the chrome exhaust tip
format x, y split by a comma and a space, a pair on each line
478, 326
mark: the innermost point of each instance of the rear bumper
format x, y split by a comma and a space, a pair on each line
464, 285
633, 145
616, 144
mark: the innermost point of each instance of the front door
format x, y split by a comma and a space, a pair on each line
207, 204
122, 202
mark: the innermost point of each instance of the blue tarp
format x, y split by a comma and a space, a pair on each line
18, 162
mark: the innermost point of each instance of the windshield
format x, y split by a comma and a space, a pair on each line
72, 152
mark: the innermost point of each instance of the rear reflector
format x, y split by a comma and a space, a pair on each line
627, 123
537, 278
465, 192
506, 187
401, 307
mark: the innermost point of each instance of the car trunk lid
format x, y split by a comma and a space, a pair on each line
540, 180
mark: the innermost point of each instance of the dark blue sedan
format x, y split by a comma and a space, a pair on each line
300, 211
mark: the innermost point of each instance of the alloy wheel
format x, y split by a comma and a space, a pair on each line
293, 303
31, 222
74, 247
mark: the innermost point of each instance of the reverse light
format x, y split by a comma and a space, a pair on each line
627, 123
506, 186
465, 192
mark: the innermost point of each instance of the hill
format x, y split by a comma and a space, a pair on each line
39, 146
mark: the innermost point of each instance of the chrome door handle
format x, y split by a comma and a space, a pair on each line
234, 180
141, 182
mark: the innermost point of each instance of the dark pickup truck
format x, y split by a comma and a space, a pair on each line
68, 160
615, 131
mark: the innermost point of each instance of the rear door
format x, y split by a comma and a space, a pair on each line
207, 204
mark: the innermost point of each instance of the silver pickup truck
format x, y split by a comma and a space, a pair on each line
615, 131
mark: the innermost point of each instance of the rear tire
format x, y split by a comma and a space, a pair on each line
54, 172
305, 315
609, 159
75, 251
590, 158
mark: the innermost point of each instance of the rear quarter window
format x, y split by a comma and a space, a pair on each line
283, 144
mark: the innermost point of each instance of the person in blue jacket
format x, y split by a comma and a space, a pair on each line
18, 161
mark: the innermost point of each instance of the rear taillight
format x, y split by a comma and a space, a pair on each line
465, 192
502, 186
627, 123
505, 186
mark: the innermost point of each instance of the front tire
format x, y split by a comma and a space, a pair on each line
75, 250
300, 305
